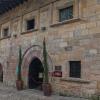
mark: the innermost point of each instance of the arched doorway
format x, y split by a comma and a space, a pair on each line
35, 51
35, 75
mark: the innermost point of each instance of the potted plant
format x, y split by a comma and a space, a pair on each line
46, 85
95, 97
19, 82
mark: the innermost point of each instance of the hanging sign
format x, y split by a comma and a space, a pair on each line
40, 75
57, 74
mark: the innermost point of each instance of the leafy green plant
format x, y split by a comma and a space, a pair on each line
47, 88
19, 64
95, 97
45, 63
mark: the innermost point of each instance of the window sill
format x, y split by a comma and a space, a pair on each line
5, 37
66, 22
78, 80
29, 31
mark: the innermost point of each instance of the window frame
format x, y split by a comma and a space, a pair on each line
58, 68
66, 8
4, 26
24, 23
80, 71
27, 24
60, 5
3, 33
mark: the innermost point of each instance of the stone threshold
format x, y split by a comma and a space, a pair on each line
29, 31
77, 80
66, 22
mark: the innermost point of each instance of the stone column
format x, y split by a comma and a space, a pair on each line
81, 5
76, 9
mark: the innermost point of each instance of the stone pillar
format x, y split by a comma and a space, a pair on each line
76, 8
81, 5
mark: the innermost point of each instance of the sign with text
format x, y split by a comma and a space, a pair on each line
57, 74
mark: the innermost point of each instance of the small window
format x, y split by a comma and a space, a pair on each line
75, 69
58, 68
66, 13
30, 24
5, 32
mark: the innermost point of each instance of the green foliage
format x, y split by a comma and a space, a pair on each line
95, 97
19, 64
45, 63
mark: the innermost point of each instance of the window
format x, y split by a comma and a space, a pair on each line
5, 32
75, 69
58, 71
30, 24
58, 68
66, 13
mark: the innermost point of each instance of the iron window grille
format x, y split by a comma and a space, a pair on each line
75, 69
66, 13
30, 24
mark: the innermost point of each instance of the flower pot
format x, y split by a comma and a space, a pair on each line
19, 84
47, 89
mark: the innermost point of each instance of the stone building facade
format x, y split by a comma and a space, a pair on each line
72, 32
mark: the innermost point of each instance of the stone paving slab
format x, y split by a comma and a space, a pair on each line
9, 93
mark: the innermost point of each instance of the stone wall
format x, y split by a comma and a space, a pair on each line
77, 39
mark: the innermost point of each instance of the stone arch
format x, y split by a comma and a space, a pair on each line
32, 52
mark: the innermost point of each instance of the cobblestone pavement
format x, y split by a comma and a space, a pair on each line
9, 93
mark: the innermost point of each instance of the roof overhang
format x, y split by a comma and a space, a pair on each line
6, 5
